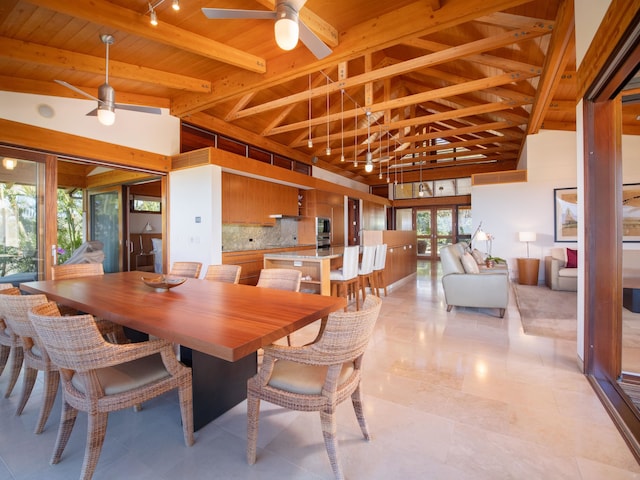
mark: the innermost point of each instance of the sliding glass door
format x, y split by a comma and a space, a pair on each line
105, 225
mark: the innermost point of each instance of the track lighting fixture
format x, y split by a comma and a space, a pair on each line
309, 140
153, 18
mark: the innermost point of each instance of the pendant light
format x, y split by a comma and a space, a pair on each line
342, 124
368, 166
421, 186
355, 141
328, 150
309, 140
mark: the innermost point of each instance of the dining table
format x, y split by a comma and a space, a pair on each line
219, 326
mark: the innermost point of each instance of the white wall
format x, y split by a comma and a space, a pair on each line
507, 209
195, 192
153, 133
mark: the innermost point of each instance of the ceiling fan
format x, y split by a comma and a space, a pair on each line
287, 25
106, 94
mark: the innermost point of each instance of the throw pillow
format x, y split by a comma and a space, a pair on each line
478, 256
572, 258
469, 264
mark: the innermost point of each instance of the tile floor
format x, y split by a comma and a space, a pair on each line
459, 395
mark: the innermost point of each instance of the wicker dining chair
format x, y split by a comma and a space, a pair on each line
186, 269
15, 309
316, 377
223, 273
99, 377
111, 331
280, 279
10, 344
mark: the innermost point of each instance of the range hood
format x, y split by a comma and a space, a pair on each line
282, 215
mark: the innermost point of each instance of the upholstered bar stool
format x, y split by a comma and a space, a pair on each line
365, 271
344, 282
378, 268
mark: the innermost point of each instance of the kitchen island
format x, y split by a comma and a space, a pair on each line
315, 265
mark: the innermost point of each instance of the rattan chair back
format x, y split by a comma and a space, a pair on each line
186, 269
280, 279
76, 270
223, 273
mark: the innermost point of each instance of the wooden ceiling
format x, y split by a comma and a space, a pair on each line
448, 87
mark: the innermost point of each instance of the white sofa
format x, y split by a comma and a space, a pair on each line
556, 274
464, 287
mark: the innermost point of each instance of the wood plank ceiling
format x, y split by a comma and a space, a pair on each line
443, 87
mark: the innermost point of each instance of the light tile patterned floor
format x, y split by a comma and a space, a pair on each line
459, 395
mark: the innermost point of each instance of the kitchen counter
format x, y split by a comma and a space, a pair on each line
309, 253
314, 264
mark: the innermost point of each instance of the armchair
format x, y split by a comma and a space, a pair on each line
557, 276
466, 285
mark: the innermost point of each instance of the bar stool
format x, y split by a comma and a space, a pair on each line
378, 268
365, 271
344, 282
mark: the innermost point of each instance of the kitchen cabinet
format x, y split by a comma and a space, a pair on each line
251, 261
250, 201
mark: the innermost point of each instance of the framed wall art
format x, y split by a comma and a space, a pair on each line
565, 216
631, 212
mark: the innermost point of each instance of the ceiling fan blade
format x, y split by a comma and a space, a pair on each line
296, 4
139, 108
93, 113
216, 13
313, 42
76, 89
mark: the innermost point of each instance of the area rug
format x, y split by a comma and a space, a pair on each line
547, 313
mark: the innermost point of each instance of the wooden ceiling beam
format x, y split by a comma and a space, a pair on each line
555, 62
54, 57
430, 60
105, 13
418, 98
401, 24
26, 85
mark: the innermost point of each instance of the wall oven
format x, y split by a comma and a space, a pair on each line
323, 232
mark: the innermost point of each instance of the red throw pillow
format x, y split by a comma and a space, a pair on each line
572, 258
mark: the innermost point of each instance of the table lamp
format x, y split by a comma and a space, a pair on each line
527, 237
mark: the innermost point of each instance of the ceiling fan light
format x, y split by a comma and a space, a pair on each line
286, 27
176, 5
153, 18
106, 116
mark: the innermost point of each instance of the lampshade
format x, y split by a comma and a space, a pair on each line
286, 27
527, 236
481, 236
106, 116
148, 227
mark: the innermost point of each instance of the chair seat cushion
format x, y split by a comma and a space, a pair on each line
568, 272
304, 379
127, 376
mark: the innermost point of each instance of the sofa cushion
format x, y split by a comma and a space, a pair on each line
568, 272
478, 256
469, 263
572, 258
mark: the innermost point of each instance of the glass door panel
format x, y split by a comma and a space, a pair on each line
424, 231
22, 242
105, 220
444, 232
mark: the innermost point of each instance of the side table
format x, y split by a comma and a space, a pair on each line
528, 271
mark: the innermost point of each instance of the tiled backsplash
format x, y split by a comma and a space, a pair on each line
251, 237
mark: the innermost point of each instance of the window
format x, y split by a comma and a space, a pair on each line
146, 204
